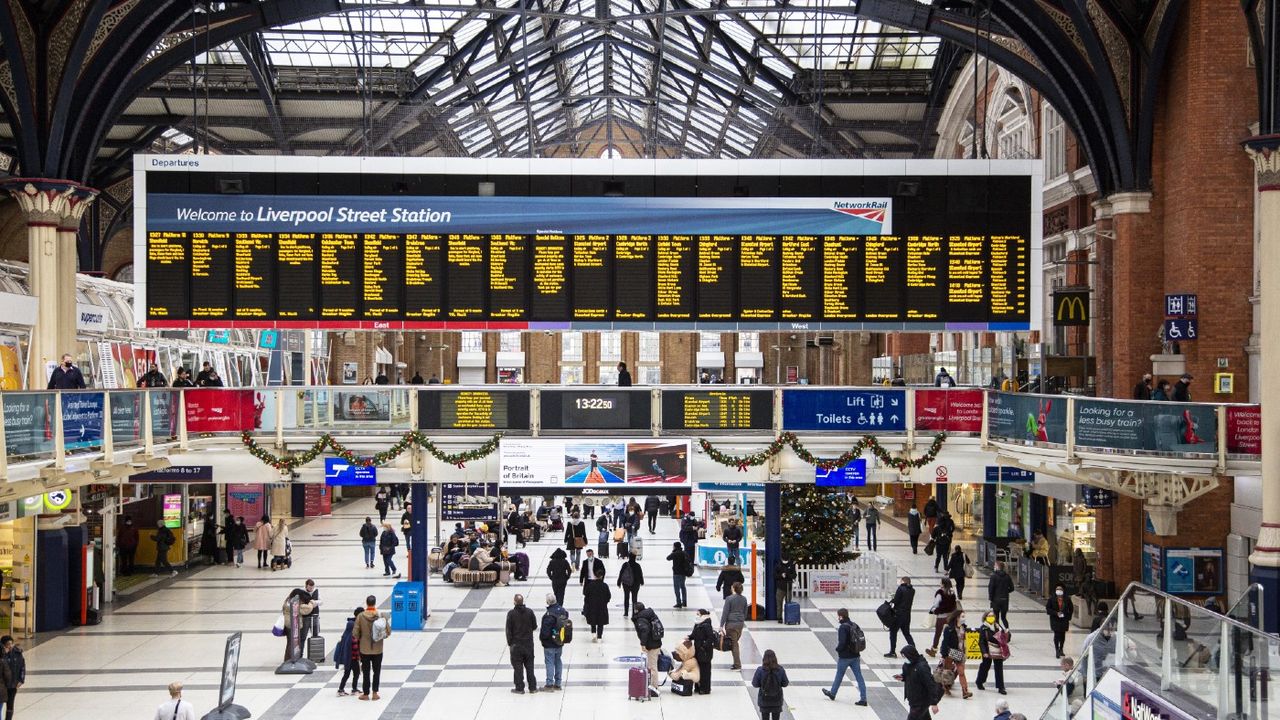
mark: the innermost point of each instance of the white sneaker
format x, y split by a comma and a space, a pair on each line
173, 574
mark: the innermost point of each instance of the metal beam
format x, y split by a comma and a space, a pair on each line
257, 60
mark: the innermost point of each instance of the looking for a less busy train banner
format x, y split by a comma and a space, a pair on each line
928, 252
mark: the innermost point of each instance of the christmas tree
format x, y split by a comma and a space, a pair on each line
815, 525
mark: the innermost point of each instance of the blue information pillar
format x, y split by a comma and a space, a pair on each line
421, 544
772, 546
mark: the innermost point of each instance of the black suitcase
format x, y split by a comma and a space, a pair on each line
664, 507
315, 649
683, 688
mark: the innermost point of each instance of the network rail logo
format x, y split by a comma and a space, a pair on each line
876, 211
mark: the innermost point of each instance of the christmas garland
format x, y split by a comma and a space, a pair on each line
902, 464
293, 461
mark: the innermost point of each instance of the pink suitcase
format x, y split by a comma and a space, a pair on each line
638, 684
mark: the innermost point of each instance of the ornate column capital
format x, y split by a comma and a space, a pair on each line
1129, 203
51, 203
1265, 151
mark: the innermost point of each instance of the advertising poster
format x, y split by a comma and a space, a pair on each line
1163, 427
164, 418
142, 359
230, 670
126, 417
367, 406
1152, 566
468, 501
122, 357
349, 372
830, 583
10, 363
658, 466
1029, 418
107, 376
950, 410
28, 423
172, 507
82, 420
218, 410
1193, 570
845, 410
1138, 704
1009, 507
1244, 429
317, 500
246, 500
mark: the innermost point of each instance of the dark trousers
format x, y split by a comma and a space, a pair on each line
731, 551
597, 630
558, 589
408, 542
940, 555
918, 713
352, 670
915, 544
388, 563
871, 537
704, 676
904, 627
588, 511
162, 558
959, 583
522, 659
1059, 639
9, 701
691, 549
682, 595
126, 560
262, 558
371, 667
602, 549
629, 596
770, 713
653, 523
985, 666
1000, 608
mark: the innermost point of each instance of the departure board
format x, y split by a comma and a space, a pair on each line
922, 252
717, 409
502, 409
595, 409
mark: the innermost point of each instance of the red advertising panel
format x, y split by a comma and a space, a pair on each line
246, 500
1244, 429
317, 501
950, 410
216, 410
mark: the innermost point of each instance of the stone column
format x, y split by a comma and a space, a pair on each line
1265, 560
1137, 287
53, 209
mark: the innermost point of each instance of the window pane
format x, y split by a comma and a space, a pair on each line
749, 342
608, 374
571, 374
650, 347
650, 374
509, 341
472, 342
611, 346
571, 348
709, 342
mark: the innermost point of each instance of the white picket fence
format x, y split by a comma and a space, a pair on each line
868, 576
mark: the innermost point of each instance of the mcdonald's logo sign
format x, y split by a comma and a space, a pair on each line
1071, 308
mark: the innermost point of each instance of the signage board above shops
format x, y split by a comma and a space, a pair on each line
1006, 475
468, 501
473, 409
176, 474
949, 410
844, 410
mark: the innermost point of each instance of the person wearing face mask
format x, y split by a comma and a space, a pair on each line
66, 376
992, 653
1060, 609
953, 653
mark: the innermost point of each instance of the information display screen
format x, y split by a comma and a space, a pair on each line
596, 409
473, 410
468, 501
867, 252
717, 409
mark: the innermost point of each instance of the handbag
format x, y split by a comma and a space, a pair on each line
956, 655
278, 628
579, 541
943, 675
968, 567
929, 547
619, 535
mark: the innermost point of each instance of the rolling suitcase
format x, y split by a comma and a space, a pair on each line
638, 684
315, 649
791, 613
637, 547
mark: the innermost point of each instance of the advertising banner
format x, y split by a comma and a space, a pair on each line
949, 410
10, 363
1152, 566
1027, 417
606, 465
1138, 704
164, 414
317, 500
126, 417
246, 500
362, 406
1244, 429
211, 411
1193, 570
82, 420
829, 583
28, 423
468, 501
172, 509
845, 410
852, 475
1163, 427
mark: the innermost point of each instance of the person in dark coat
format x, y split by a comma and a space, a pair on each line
916, 685
1060, 609
652, 505
153, 378
689, 537
1163, 391
1142, 391
770, 707
681, 569
784, 575
182, 378
942, 534
15, 672
595, 604
1182, 388
66, 376
559, 571
203, 376
624, 375
209, 538
704, 646
347, 656
591, 566
902, 600
955, 570
729, 575
914, 530
999, 588
732, 539
931, 514
521, 625
630, 578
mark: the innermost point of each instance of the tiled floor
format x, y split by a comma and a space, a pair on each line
459, 667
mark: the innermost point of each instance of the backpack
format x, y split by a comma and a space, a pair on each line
625, 576
563, 630
656, 631
857, 638
379, 631
771, 689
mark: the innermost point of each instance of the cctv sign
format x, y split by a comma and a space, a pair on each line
338, 471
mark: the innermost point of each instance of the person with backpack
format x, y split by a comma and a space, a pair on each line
559, 571
872, 519
922, 692
649, 632
850, 643
931, 514
770, 678
681, 569
733, 618
371, 630
368, 540
555, 632
595, 604
784, 576
630, 578
992, 651
387, 543
521, 624
704, 642
999, 588
163, 538
903, 598
346, 655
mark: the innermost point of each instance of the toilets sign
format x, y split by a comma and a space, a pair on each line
845, 410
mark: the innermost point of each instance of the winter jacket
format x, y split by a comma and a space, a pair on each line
558, 568
262, 536
239, 537
844, 640
734, 613
728, 576
388, 542
127, 537
784, 573
950, 639
917, 681
591, 568
163, 537
680, 564
521, 625
595, 602
1057, 605
689, 532
652, 505
1181, 392
913, 523
574, 529
1000, 587
547, 629
17, 668
643, 622
362, 634
871, 516
733, 534
279, 546
63, 378
631, 570
704, 640
903, 598
368, 532
931, 508
758, 682
346, 651
955, 565
987, 638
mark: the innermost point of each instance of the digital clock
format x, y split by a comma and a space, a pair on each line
595, 409
594, 403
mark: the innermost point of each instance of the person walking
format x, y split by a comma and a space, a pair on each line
175, 708
387, 543
549, 634
630, 578
914, 530
850, 642
1181, 389
66, 376
591, 567
347, 656
942, 534
14, 673
239, 540
559, 571
406, 526
652, 505
521, 624
1060, 610
382, 503
163, 538
944, 603
732, 539
689, 537
279, 543
624, 375
127, 544
733, 618
953, 652
603, 535
917, 685
370, 632
649, 632
681, 570
595, 605
931, 514
955, 568
368, 540
703, 638
729, 575
871, 518
784, 575
999, 588
575, 538
992, 653
902, 600
770, 678
262, 541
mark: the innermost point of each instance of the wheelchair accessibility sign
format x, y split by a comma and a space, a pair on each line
1180, 329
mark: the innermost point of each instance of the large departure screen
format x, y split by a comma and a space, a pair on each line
666, 244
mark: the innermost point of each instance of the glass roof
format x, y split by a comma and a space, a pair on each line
690, 78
